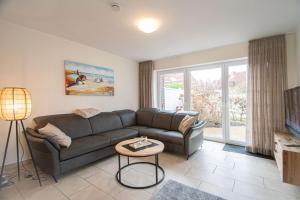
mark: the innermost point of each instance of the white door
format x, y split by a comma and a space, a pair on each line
217, 91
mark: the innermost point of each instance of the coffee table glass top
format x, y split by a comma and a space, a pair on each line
141, 153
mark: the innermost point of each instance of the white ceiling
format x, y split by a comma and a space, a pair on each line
187, 25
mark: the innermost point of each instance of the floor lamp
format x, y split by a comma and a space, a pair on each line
15, 106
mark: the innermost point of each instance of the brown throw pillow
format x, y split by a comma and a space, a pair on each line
186, 123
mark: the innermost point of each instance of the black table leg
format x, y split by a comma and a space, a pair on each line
155, 164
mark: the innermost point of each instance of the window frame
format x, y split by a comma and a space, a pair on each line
224, 65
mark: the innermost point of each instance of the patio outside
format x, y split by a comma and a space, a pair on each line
206, 98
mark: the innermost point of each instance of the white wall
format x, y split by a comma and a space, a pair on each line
34, 60
232, 52
205, 56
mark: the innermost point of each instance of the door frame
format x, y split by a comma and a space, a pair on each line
224, 65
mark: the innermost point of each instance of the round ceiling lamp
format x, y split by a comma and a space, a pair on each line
148, 25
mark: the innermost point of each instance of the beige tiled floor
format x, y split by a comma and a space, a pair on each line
229, 175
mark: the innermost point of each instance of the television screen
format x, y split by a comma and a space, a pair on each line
292, 110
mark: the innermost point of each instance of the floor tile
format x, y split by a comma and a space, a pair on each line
229, 175
90, 193
105, 182
10, 193
221, 181
237, 175
110, 165
71, 184
278, 185
88, 171
260, 193
131, 194
221, 192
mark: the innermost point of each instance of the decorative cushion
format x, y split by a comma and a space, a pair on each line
186, 123
56, 134
87, 112
177, 118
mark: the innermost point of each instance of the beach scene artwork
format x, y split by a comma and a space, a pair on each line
84, 79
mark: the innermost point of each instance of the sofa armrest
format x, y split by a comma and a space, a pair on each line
199, 125
45, 152
33, 133
194, 130
194, 138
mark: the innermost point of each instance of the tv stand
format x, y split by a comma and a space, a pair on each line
287, 155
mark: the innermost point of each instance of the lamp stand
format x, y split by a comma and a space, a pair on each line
3, 181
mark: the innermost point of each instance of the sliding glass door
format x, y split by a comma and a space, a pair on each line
171, 90
237, 98
206, 98
218, 92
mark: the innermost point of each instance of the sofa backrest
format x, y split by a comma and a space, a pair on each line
71, 124
105, 121
177, 118
145, 116
162, 120
128, 117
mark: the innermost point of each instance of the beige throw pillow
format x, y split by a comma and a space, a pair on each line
86, 112
56, 134
186, 123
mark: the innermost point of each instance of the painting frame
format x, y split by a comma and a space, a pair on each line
88, 80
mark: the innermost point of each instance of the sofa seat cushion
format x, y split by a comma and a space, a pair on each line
137, 128
117, 136
84, 145
152, 133
173, 137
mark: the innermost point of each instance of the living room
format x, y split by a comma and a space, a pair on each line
145, 99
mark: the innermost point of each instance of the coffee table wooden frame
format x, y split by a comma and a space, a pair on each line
136, 154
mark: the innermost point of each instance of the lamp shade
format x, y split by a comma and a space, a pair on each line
15, 103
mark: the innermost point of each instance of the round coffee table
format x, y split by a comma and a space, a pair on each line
150, 151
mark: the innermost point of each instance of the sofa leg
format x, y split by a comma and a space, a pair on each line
187, 157
54, 178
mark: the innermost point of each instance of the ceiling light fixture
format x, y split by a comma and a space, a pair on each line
148, 25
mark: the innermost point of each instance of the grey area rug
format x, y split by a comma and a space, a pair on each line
242, 150
173, 190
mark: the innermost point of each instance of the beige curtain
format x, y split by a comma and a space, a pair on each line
145, 84
267, 82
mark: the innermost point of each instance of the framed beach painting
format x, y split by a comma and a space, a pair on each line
84, 79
